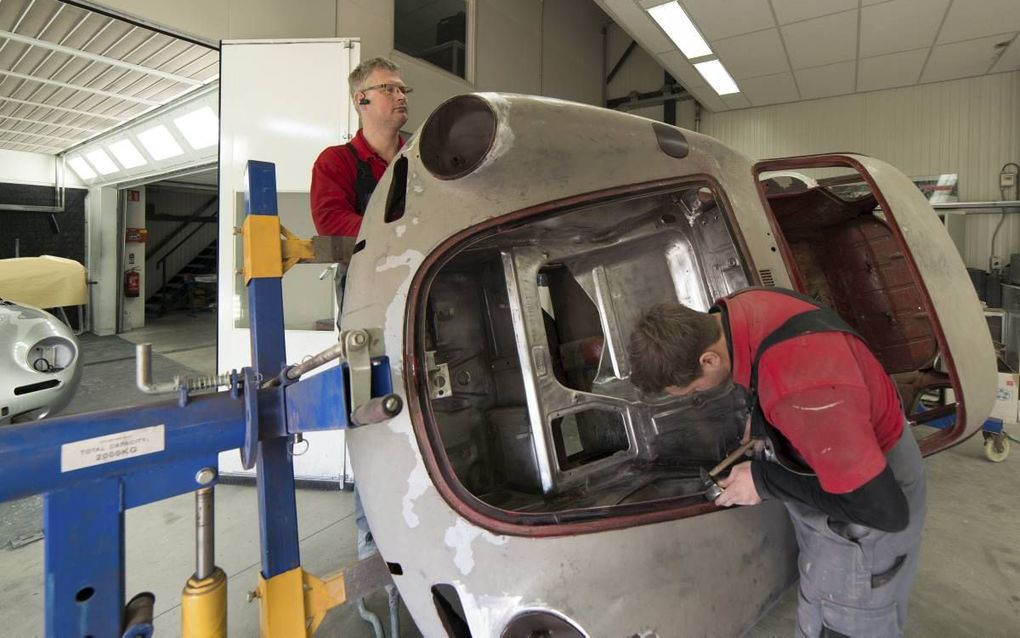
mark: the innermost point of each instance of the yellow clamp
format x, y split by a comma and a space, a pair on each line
295, 602
270, 249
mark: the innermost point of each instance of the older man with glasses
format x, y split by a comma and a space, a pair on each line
344, 176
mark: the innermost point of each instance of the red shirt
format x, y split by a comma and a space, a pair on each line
825, 392
333, 179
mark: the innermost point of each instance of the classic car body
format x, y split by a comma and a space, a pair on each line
505, 254
40, 364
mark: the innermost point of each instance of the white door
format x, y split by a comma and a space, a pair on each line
281, 101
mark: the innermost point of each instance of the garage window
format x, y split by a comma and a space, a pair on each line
434, 31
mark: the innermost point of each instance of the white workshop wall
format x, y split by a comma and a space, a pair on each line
19, 167
271, 113
104, 241
970, 127
133, 310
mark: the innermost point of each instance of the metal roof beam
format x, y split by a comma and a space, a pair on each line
44, 123
63, 108
43, 135
76, 87
45, 148
59, 48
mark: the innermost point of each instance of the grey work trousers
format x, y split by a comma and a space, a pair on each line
856, 580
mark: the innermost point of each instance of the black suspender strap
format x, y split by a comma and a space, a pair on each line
365, 181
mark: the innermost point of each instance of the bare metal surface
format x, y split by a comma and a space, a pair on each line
545, 151
590, 266
144, 382
205, 537
377, 410
330, 354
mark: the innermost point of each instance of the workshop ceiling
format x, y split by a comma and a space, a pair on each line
68, 74
791, 50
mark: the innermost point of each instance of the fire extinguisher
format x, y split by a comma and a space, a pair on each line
132, 283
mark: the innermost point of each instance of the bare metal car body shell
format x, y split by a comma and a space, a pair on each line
700, 573
41, 364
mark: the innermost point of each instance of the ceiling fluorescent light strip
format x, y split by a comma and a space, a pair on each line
674, 21
716, 75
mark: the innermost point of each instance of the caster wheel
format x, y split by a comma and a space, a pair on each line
996, 448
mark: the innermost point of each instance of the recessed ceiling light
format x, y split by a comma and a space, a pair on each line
160, 143
81, 168
101, 161
716, 74
674, 21
127, 154
200, 128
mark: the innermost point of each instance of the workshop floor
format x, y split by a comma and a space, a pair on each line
968, 583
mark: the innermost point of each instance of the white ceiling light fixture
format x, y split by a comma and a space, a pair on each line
674, 21
160, 144
200, 128
127, 154
101, 161
716, 75
81, 168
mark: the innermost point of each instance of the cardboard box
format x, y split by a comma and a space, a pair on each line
1006, 398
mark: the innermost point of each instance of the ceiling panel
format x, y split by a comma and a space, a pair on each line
900, 25
67, 74
866, 45
788, 11
681, 69
826, 81
822, 40
754, 54
889, 71
770, 89
960, 59
975, 18
736, 101
717, 20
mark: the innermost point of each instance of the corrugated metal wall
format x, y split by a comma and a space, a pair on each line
970, 127
175, 202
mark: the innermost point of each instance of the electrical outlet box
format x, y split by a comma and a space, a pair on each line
1007, 180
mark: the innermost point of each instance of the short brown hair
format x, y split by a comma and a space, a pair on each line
365, 69
666, 345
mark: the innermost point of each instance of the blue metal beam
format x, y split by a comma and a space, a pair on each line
275, 472
84, 560
31, 453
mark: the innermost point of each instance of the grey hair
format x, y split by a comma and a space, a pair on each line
363, 70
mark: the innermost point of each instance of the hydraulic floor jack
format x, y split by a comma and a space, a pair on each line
92, 467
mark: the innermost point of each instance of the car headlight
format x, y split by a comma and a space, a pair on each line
52, 354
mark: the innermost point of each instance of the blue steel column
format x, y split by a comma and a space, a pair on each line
84, 560
275, 472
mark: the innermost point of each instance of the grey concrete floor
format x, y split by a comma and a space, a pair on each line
968, 583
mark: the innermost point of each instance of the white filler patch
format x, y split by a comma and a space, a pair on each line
460, 536
112, 447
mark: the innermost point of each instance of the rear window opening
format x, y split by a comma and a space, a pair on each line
528, 328
847, 256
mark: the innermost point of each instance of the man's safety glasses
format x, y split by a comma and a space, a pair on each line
389, 89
